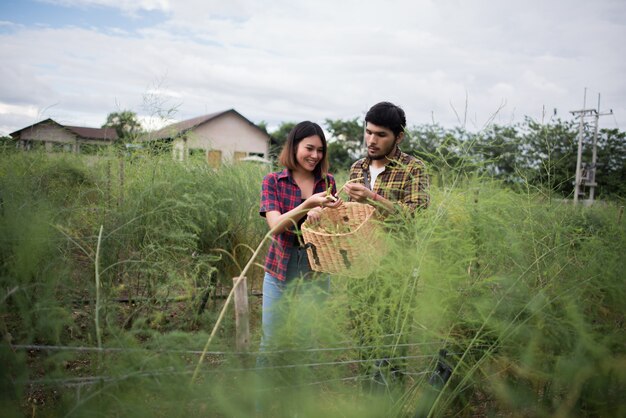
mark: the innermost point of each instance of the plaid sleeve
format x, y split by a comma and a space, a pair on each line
416, 193
269, 195
356, 170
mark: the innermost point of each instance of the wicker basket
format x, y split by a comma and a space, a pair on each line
344, 240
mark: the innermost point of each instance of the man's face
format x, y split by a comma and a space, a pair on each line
380, 141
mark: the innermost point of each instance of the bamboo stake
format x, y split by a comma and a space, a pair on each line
97, 273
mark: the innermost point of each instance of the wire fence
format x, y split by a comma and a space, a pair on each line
172, 371
215, 353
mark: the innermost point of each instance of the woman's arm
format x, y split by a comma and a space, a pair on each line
280, 222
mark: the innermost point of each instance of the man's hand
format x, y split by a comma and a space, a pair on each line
358, 192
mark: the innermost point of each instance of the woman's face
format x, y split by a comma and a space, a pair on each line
310, 152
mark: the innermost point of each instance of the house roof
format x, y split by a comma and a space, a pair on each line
109, 134
180, 128
104, 134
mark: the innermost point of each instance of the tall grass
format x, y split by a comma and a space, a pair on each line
525, 295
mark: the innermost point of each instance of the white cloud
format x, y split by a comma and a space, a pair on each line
26, 111
289, 60
128, 6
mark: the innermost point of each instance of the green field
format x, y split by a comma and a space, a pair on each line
114, 270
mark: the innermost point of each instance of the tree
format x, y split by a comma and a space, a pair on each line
348, 133
279, 137
263, 126
547, 155
345, 142
611, 163
422, 141
496, 149
447, 153
125, 124
7, 144
338, 157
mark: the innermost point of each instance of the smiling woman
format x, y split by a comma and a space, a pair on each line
286, 198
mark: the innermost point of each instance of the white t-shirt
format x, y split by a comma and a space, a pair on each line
374, 172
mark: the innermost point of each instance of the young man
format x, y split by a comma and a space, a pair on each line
394, 182
388, 177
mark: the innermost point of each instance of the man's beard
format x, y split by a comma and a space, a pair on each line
378, 157
383, 156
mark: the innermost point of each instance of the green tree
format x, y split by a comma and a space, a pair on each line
339, 157
125, 124
547, 155
347, 133
345, 142
611, 163
496, 149
423, 141
447, 153
279, 137
7, 144
263, 126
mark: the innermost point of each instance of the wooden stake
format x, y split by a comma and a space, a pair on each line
242, 315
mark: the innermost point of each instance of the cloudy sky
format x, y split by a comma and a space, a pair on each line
451, 62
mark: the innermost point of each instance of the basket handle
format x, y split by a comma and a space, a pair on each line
314, 250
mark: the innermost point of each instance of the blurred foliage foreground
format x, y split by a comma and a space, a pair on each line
113, 271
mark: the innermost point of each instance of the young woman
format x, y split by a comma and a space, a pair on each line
286, 198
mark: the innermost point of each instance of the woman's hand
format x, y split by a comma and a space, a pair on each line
314, 215
324, 200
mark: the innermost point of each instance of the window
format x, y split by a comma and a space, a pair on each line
239, 155
195, 153
90, 149
61, 147
34, 145
214, 158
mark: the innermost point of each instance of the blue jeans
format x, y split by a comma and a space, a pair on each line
299, 279
298, 269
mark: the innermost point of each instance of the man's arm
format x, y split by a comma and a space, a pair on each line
416, 188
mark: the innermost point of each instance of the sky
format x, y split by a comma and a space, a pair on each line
450, 62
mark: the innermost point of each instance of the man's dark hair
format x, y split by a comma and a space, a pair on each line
387, 115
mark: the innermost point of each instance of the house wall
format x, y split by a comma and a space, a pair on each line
50, 135
55, 138
231, 135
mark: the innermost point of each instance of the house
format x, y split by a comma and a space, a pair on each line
53, 137
219, 137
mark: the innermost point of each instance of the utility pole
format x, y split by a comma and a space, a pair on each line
586, 172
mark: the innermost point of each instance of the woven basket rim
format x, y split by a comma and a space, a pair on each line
306, 227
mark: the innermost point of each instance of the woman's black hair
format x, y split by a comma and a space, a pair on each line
303, 130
